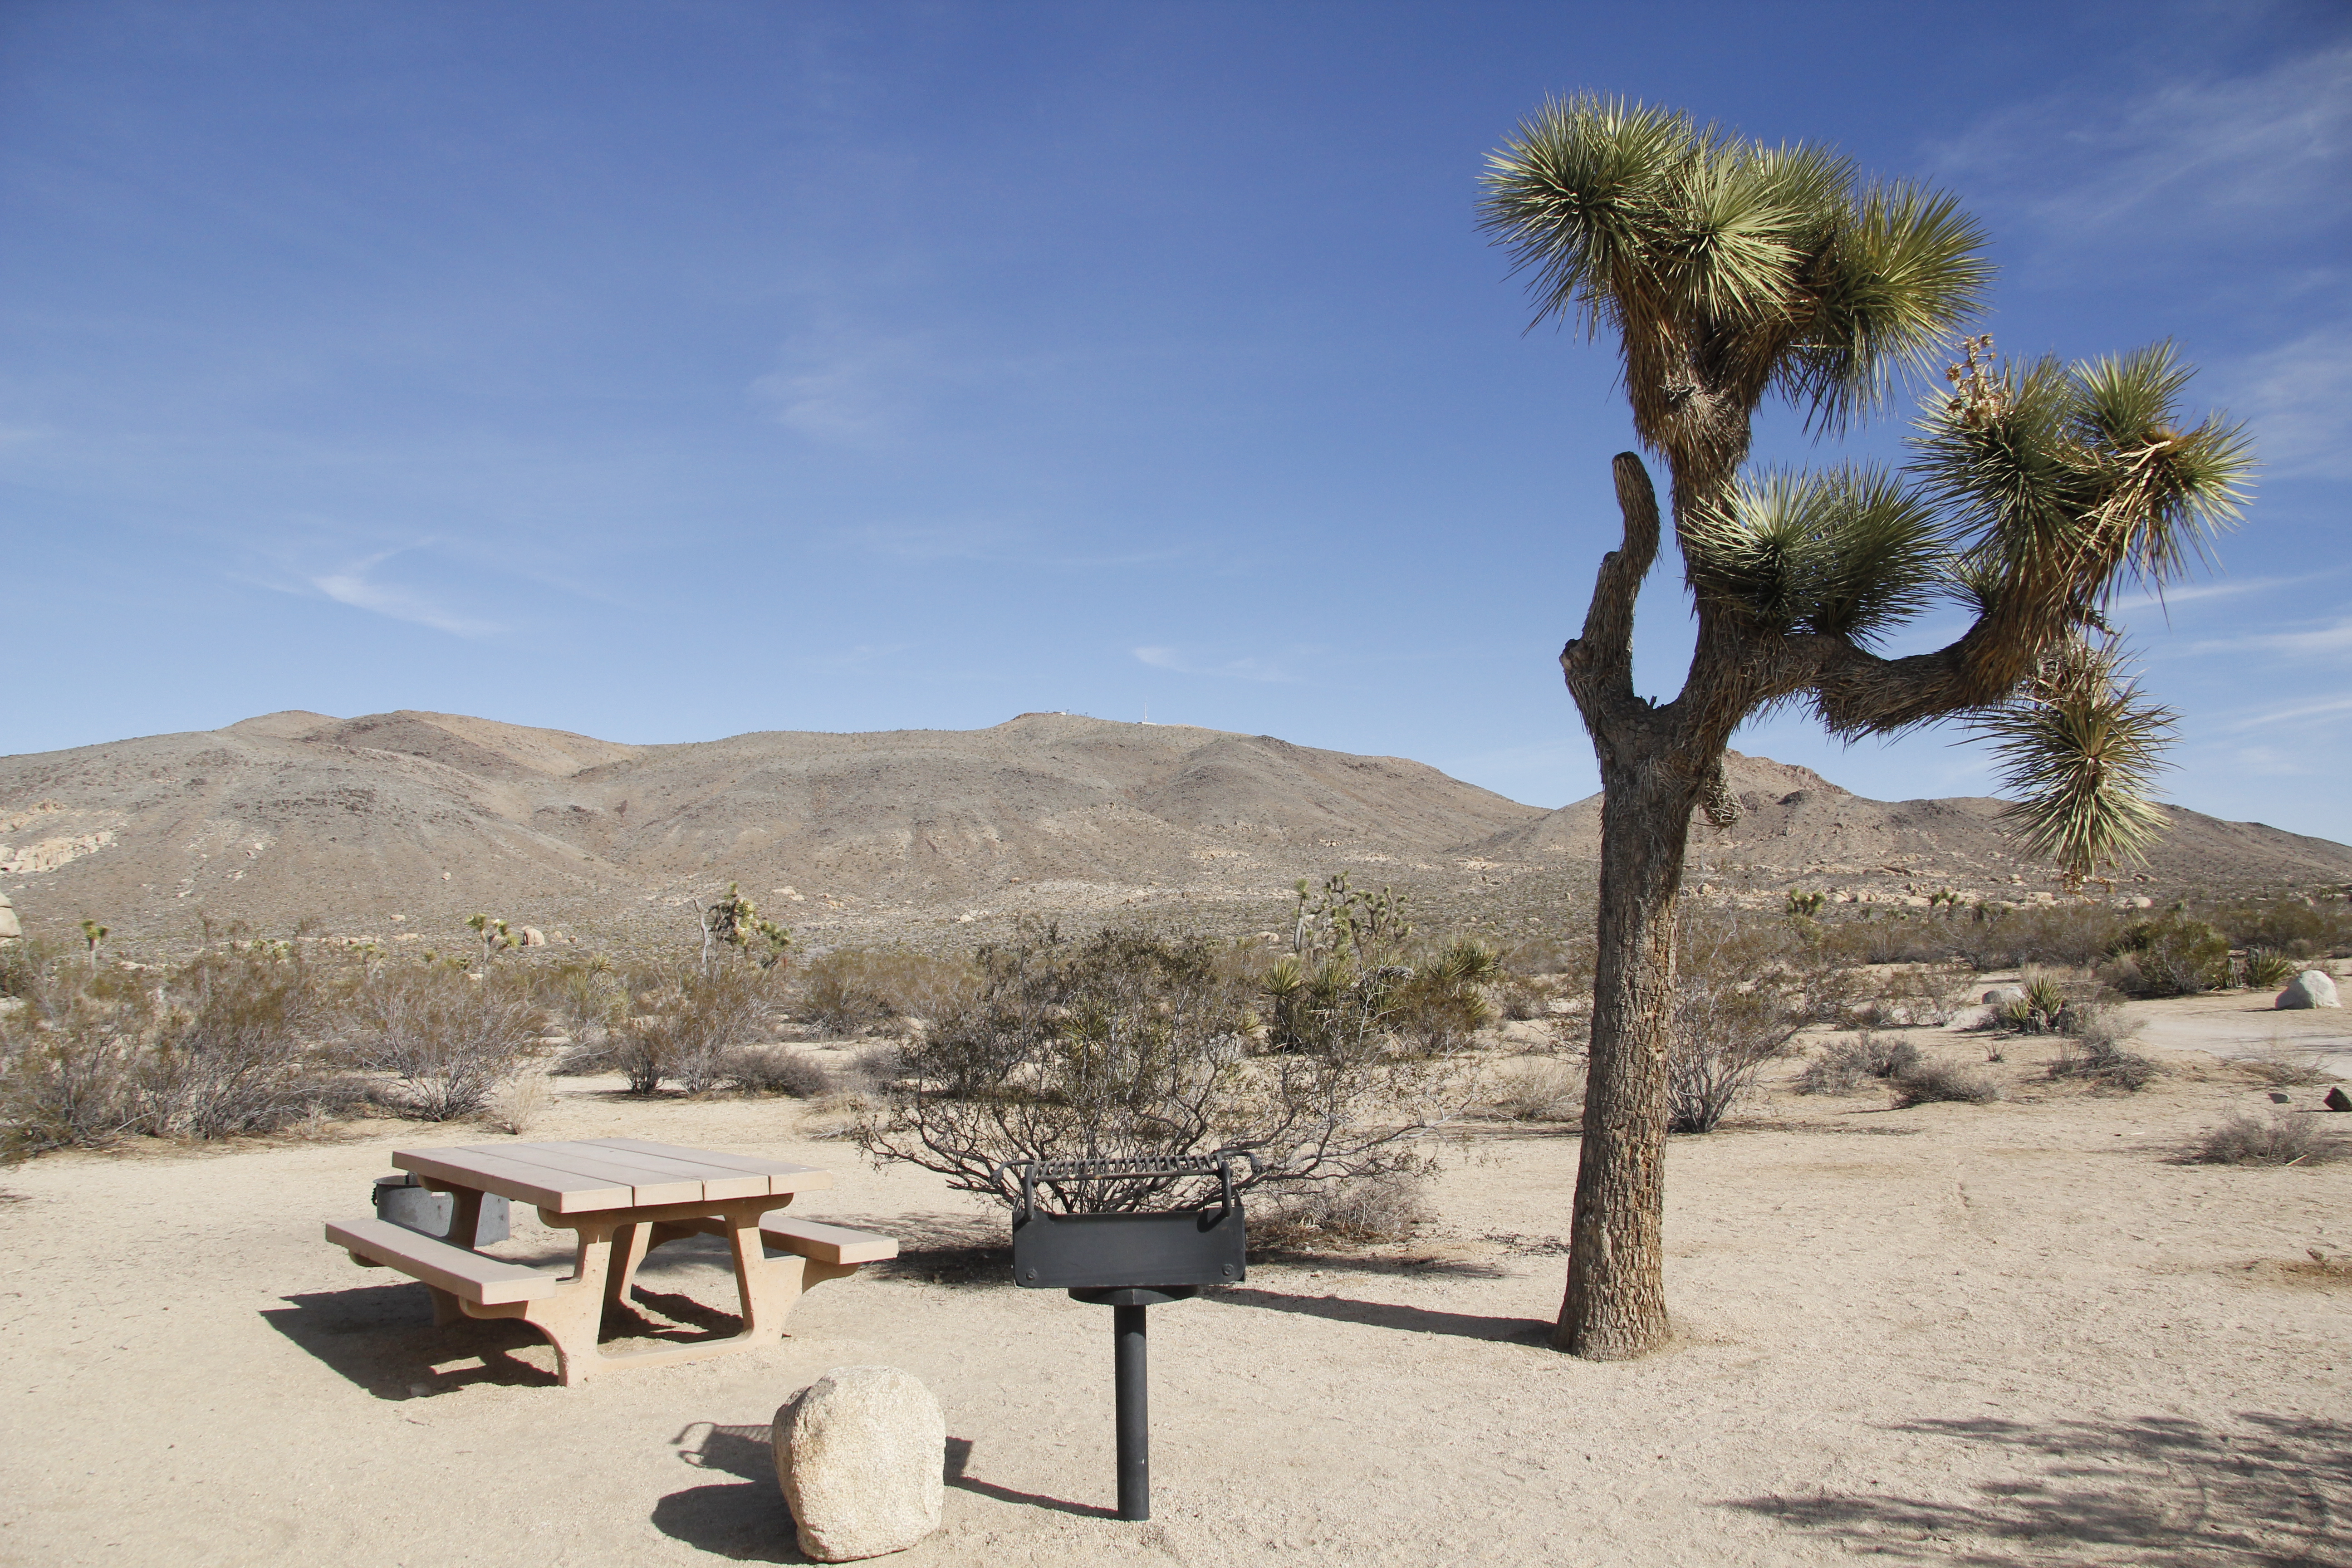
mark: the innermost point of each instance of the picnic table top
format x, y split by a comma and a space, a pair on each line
590, 1174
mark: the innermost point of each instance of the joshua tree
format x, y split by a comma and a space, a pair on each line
733, 919
1728, 270
492, 931
93, 933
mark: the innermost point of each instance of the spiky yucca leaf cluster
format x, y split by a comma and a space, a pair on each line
1775, 265
1848, 553
2081, 749
2072, 480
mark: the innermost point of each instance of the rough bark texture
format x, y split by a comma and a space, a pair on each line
1615, 1305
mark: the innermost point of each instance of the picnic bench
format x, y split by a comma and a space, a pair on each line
623, 1197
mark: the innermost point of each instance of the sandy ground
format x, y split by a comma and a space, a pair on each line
2016, 1333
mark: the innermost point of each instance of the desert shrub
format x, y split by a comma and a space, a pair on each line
1518, 999
1744, 988
2298, 928
585, 1000
1844, 1066
1902, 996
1551, 1092
1444, 1001
2063, 936
1137, 1044
216, 1049
689, 1025
447, 1040
2100, 1061
2173, 956
2282, 1139
1363, 1210
2282, 1067
1878, 936
1927, 1082
233, 1049
778, 1069
2267, 967
855, 991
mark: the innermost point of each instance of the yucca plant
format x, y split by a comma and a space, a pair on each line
1728, 270
2266, 967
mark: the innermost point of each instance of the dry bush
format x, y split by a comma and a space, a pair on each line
688, 1025
2283, 1068
222, 1046
2092, 1049
1363, 1211
1929, 1082
857, 990
1905, 995
2280, 1139
1844, 1065
1868, 937
2105, 1065
2297, 927
778, 1069
448, 1040
1552, 1091
2173, 956
1744, 988
1137, 1045
2063, 936
517, 1107
585, 1000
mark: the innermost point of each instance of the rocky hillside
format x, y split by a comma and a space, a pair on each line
401, 824
430, 816
1797, 828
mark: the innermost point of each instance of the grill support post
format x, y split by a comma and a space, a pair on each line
1134, 1380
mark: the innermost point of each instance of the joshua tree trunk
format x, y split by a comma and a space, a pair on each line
1656, 765
1616, 1306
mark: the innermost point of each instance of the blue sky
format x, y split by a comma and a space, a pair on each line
664, 371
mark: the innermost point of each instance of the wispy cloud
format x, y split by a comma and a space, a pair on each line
2185, 153
850, 387
2335, 636
1246, 668
2321, 708
2173, 597
855, 390
2298, 397
353, 586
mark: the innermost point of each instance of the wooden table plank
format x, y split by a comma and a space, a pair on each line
782, 1175
648, 1187
718, 1181
528, 1184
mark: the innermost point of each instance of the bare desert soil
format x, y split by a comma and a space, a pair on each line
2023, 1333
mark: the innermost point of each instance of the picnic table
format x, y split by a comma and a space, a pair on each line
623, 1196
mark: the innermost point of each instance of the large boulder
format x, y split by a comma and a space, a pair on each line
860, 1453
9, 928
2002, 995
2312, 988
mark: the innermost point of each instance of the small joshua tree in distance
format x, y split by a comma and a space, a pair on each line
492, 931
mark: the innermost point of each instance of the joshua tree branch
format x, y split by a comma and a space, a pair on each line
1599, 666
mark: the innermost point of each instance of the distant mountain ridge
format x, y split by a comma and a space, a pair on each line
434, 815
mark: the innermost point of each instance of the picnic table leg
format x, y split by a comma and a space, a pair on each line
769, 1284
630, 1245
572, 1318
464, 1217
